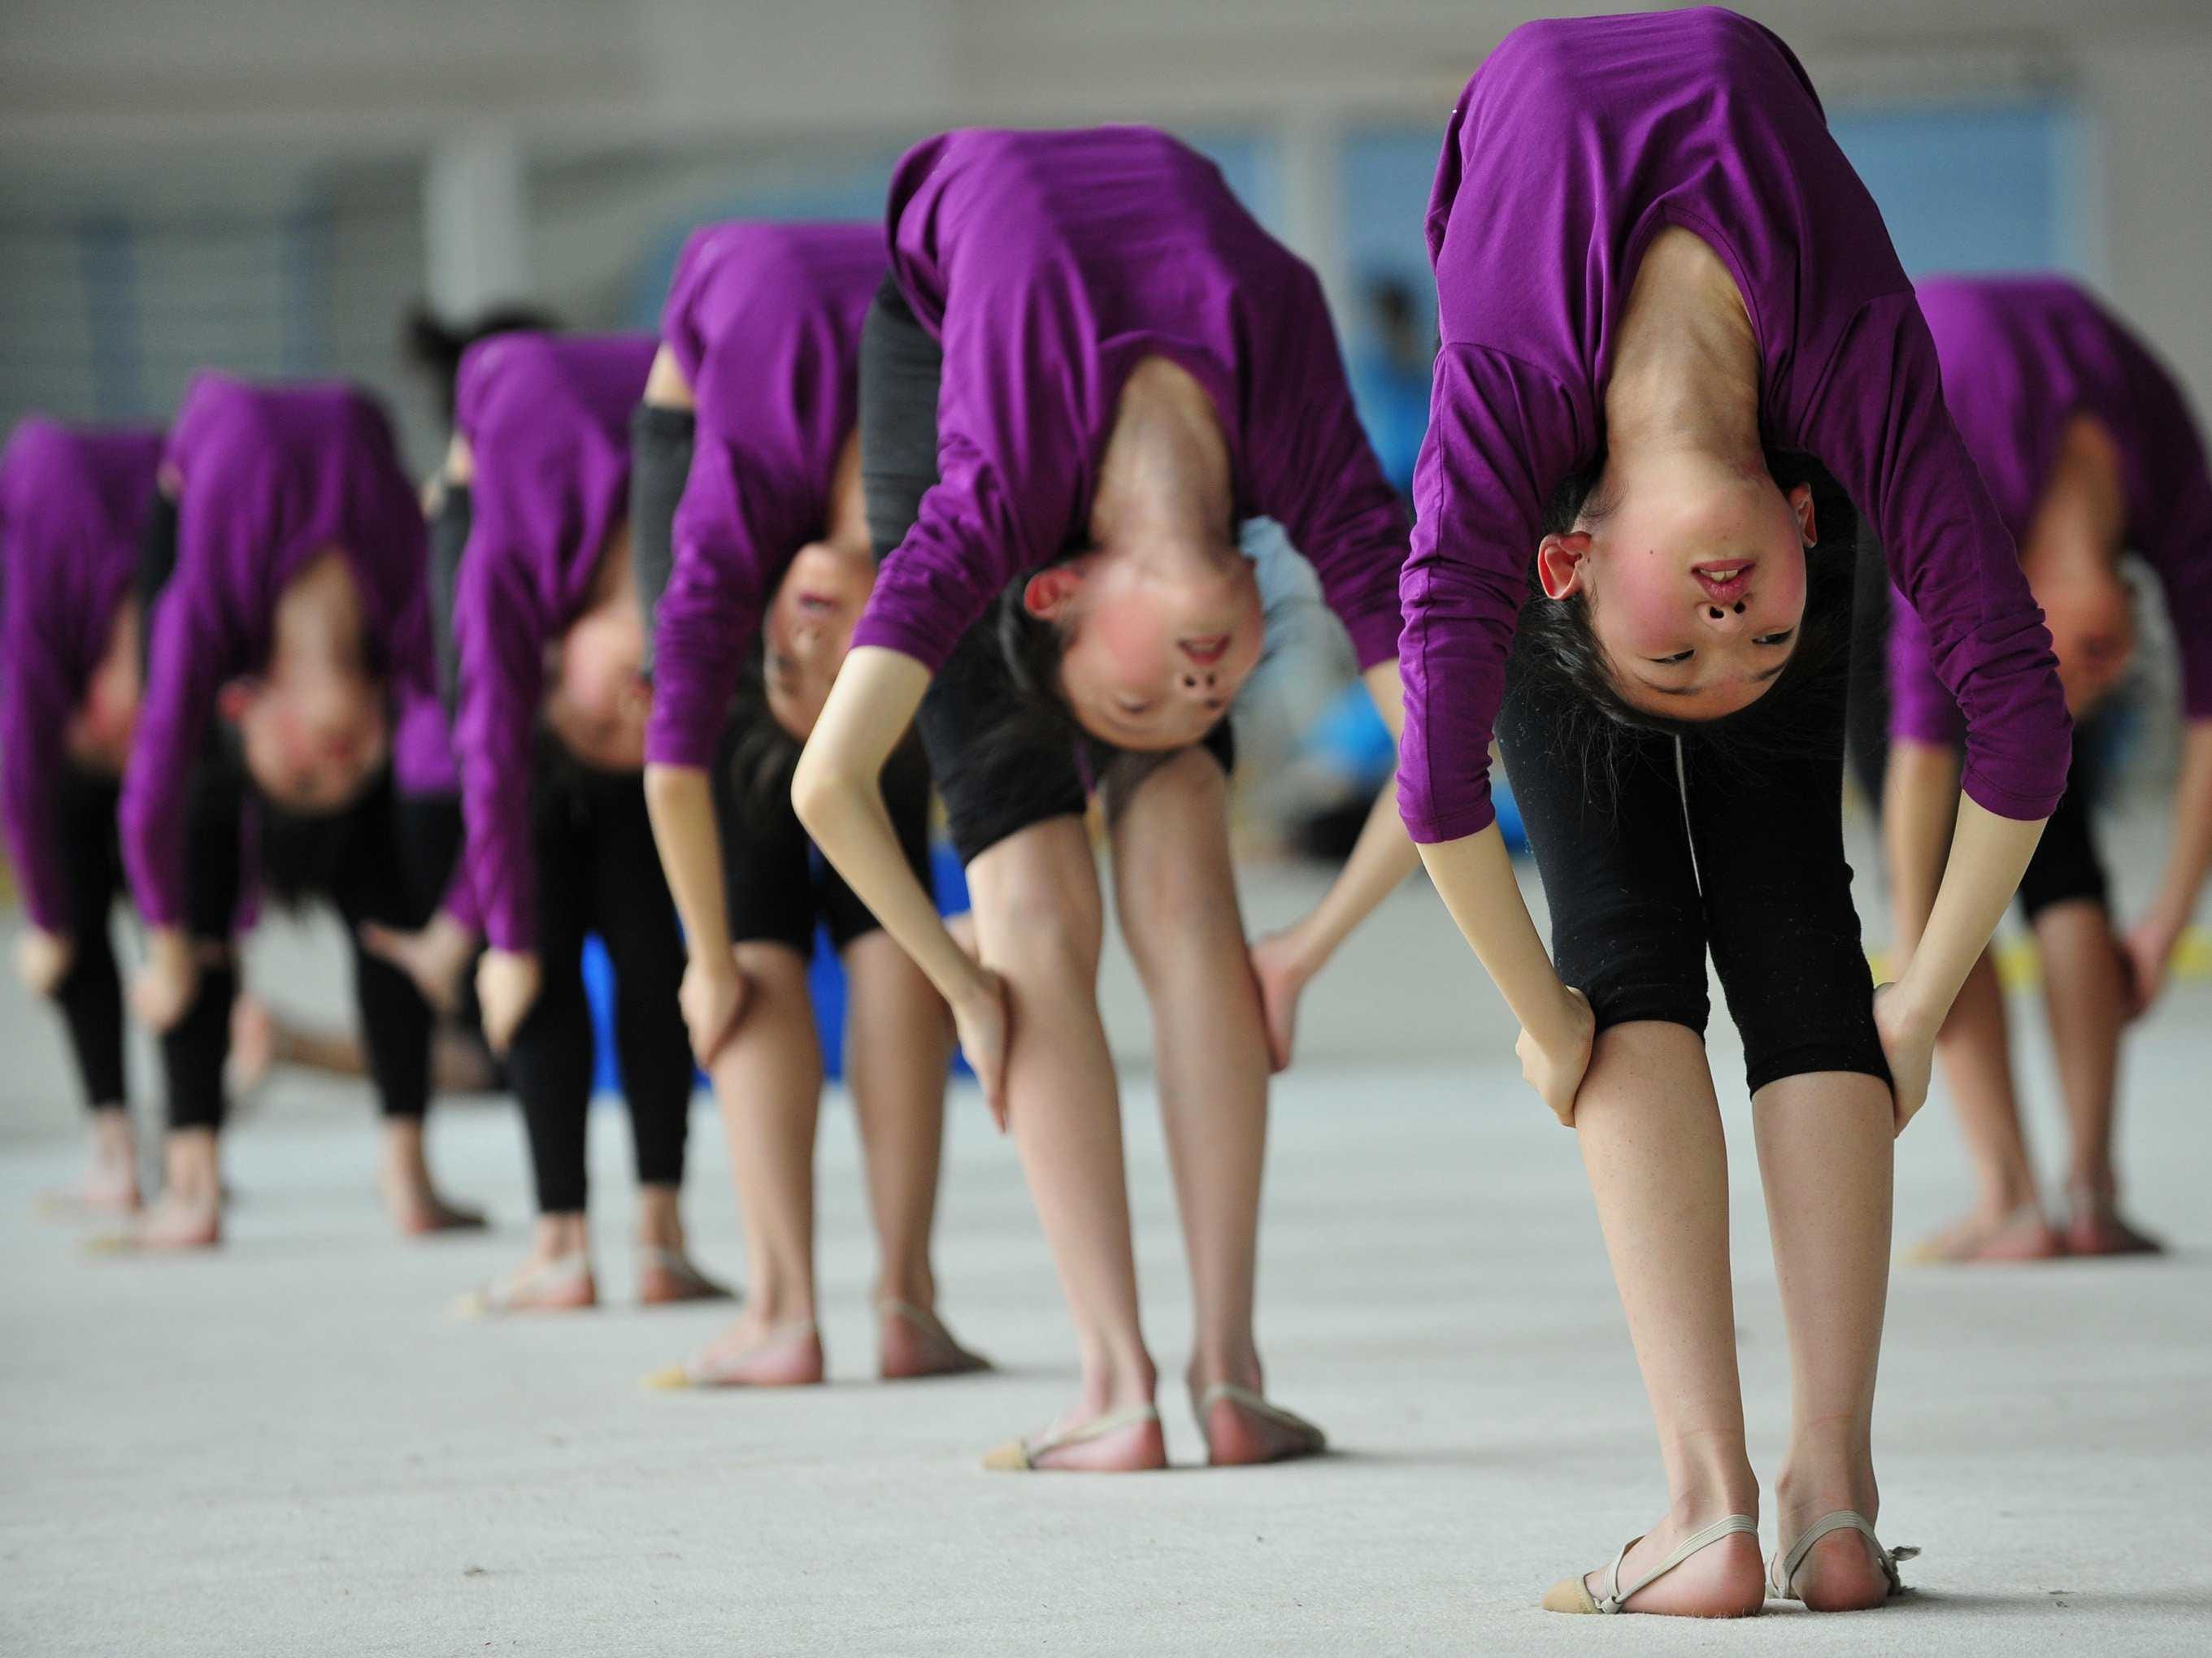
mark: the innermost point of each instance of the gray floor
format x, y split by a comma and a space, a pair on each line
292, 1447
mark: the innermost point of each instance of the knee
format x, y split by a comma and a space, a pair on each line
1029, 931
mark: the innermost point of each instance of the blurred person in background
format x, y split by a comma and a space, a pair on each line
286, 581
1390, 379
1088, 366
1660, 397
73, 508
548, 737
755, 564
2089, 449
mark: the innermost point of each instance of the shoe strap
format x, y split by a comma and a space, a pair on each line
1083, 1432
1615, 1597
1783, 1580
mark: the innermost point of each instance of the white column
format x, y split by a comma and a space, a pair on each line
474, 223
1313, 221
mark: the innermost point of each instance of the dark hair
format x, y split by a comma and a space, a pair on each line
436, 346
1556, 639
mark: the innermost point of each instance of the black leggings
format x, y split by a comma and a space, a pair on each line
387, 858
1732, 843
2067, 866
598, 872
90, 998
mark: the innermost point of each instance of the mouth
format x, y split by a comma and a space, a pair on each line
1725, 580
1206, 650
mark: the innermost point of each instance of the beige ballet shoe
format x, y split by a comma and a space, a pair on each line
1022, 1455
1572, 1593
941, 1353
1305, 1439
1782, 1570
753, 1366
563, 1284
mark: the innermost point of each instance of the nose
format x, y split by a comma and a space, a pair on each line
1724, 619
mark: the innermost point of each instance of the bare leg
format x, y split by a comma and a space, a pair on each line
111, 1178
1038, 922
188, 1215
1650, 1134
2084, 990
767, 1082
1825, 1149
2006, 1222
1176, 895
898, 1044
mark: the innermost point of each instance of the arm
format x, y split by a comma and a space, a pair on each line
838, 794
2151, 941
34, 695
1920, 802
680, 801
1381, 859
1989, 854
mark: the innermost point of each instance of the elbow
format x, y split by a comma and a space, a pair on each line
821, 787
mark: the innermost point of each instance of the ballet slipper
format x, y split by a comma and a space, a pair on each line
1572, 1594
931, 1349
1027, 1456
563, 1284
787, 1355
1228, 1416
169, 1226
666, 1276
1782, 1570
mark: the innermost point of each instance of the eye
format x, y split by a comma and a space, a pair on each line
1782, 638
1671, 661
1131, 710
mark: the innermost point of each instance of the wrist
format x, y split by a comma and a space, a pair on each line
1554, 1020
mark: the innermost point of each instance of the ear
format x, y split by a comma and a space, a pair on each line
1049, 593
233, 701
1801, 504
1559, 564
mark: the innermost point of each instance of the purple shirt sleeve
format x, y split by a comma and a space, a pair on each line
35, 695
1009, 474
1315, 473
1496, 428
193, 649
1880, 425
500, 617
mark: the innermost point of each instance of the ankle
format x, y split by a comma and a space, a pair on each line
1115, 1382
1236, 1364
402, 1152
912, 1286
1819, 1480
780, 1297
560, 1235
659, 1218
1714, 1479
190, 1169
111, 1143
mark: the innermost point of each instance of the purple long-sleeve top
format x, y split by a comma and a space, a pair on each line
1048, 265
73, 507
764, 319
269, 477
2022, 356
547, 419
1574, 145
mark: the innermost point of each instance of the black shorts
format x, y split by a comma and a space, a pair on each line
997, 770
777, 886
1663, 848
2067, 866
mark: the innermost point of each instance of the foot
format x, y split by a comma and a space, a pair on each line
558, 1283
912, 1342
1843, 1572
752, 1352
1242, 1430
2013, 1234
417, 1211
1726, 1579
667, 1276
1116, 1442
2095, 1226
173, 1223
